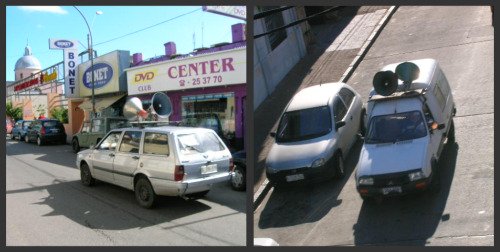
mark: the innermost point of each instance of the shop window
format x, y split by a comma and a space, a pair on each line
213, 111
272, 22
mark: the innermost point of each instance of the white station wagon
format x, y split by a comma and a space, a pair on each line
167, 160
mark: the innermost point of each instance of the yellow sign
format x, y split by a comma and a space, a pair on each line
49, 77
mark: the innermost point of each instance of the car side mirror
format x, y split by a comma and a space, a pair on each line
272, 134
339, 124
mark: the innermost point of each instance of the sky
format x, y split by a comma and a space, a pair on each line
36, 24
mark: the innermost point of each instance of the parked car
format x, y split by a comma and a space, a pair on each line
20, 129
9, 125
315, 133
239, 176
407, 129
45, 130
151, 161
94, 130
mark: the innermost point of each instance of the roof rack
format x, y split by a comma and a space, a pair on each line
144, 124
398, 95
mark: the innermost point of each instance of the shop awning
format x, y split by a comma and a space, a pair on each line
100, 103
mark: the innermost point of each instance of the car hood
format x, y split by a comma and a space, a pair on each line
392, 157
291, 155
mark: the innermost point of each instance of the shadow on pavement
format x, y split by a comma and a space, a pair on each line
49, 153
408, 220
110, 207
306, 202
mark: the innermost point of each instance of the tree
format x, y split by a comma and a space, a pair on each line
60, 114
16, 113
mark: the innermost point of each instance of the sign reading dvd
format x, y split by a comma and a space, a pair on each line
103, 73
70, 63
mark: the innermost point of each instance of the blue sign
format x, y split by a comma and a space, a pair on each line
63, 43
103, 73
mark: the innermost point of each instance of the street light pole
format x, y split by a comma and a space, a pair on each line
91, 54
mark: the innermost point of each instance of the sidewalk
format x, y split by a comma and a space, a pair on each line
338, 45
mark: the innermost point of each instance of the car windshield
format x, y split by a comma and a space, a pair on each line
396, 127
304, 124
26, 124
199, 142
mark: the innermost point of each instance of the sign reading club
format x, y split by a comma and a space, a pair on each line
71, 61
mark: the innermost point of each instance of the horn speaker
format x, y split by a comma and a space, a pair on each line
161, 105
132, 109
385, 82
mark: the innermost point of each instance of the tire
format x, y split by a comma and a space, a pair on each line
19, 137
26, 138
339, 166
451, 132
144, 193
75, 145
39, 141
85, 175
238, 180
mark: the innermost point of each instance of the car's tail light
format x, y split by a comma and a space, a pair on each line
179, 173
231, 165
42, 131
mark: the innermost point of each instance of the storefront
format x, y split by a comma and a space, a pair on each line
207, 90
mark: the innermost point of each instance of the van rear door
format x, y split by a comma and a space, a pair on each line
202, 153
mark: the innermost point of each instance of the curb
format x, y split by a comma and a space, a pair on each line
368, 44
266, 186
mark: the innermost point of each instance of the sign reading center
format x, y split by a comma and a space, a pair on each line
208, 70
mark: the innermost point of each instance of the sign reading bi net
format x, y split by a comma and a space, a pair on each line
106, 71
239, 12
208, 70
71, 61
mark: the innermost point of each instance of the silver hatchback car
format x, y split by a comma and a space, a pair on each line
168, 160
316, 131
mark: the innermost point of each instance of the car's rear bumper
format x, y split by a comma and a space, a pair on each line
407, 188
181, 188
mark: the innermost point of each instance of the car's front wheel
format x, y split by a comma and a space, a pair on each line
39, 141
238, 180
144, 193
86, 176
19, 137
26, 138
339, 166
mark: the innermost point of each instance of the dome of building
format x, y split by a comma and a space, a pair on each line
28, 61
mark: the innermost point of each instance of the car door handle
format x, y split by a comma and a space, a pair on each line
135, 157
111, 154
351, 117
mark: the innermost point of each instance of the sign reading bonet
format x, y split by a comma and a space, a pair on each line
217, 69
71, 61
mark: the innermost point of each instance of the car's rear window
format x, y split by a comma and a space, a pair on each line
199, 142
52, 124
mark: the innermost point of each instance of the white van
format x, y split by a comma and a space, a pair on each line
409, 117
167, 160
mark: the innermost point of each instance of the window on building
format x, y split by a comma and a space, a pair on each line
272, 22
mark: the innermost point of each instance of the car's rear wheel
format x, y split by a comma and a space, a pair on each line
339, 166
144, 193
238, 180
85, 175
75, 145
19, 137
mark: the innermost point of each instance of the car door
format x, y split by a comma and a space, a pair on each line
341, 133
83, 138
352, 114
127, 158
103, 156
156, 156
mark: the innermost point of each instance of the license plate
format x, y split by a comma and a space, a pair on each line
206, 169
391, 189
55, 130
294, 177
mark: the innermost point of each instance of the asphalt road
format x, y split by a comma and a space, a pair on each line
47, 205
460, 38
